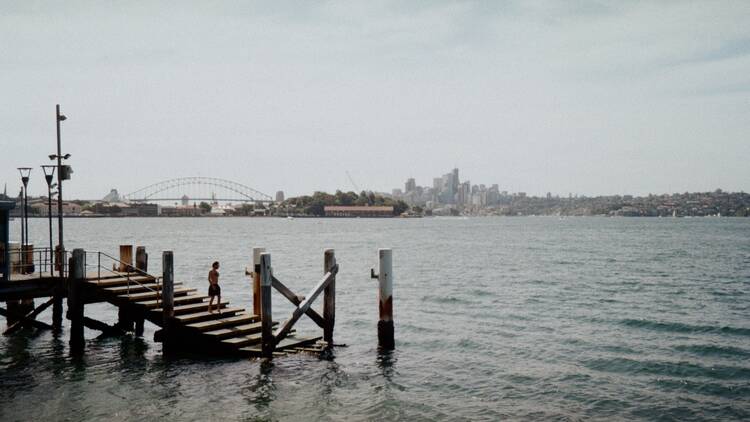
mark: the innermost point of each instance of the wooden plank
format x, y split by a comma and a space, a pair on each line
200, 315
31, 315
138, 297
111, 282
288, 343
179, 300
305, 305
281, 288
100, 326
135, 288
235, 331
223, 322
244, 340
191, 308
35, 323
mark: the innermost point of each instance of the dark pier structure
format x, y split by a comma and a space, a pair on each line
185, 325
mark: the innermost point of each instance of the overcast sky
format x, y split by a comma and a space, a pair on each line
582, 97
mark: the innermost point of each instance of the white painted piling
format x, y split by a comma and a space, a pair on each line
385, 299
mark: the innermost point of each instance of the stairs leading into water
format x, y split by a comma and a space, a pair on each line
231, 331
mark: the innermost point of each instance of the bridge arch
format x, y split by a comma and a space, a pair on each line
160, 191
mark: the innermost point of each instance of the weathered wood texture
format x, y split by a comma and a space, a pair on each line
141, 259
76, 298
329, 297
266, 280
29, 316
126, 258
296, 300
167, 299
256, 279
284, 329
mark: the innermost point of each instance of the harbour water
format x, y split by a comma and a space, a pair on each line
496, 318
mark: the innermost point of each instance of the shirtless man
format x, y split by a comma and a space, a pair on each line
213, 287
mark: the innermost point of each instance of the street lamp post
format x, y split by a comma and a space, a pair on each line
59, 118
49, 174
25, 173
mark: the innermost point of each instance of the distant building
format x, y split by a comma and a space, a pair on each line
112, 196
185, 200
181, 211
358, 211
410, 185
280, 196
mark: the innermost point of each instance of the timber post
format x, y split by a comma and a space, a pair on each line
329, 297
266, 279
167, 297
126, 258
256, 279
141, 259
385, 299
141, 264
57, 307
76, 299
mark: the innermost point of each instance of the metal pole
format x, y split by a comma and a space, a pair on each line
49, 217
59, 193
26, 218
23, 236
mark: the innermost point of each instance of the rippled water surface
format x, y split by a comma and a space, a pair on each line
518, 318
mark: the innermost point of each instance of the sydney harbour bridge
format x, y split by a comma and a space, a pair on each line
197, 189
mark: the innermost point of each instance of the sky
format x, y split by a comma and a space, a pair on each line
589, 98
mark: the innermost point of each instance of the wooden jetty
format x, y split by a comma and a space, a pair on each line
180, 312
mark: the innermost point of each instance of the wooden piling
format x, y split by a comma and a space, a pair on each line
167, 291
76, 299
126, 258
266, 279
256, 279
385, 302
125, 321
141, 259
329, 297
141, 264
57, 308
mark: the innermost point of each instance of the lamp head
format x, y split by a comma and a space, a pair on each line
62, 118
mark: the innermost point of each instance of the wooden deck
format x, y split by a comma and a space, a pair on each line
231, 331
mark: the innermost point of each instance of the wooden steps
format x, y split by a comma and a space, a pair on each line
289, 343
138, 297
242, 340
229, 320
179, 302
202, 315
122, 281
193, 307
235, 331
136, 288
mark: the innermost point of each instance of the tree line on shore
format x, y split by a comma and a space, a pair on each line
315, 204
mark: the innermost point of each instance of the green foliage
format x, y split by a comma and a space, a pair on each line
315, 205
205, 207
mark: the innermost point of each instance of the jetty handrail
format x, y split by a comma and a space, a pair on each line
42, 259
131, 269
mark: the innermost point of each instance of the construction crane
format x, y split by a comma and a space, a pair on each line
356, 188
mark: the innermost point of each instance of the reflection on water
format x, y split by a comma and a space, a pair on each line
496, 318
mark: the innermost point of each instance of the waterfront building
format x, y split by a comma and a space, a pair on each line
280, 196
358, 211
